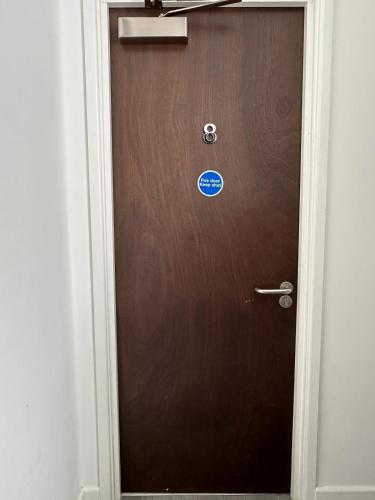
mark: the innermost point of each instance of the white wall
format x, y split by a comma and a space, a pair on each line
347, 398
38, 428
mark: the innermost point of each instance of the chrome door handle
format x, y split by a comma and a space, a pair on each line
286, 288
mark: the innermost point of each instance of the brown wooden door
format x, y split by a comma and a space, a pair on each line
206, 365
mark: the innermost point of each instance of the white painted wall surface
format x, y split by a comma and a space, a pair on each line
38, 428
346, 454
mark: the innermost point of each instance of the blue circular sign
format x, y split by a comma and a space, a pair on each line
210, 183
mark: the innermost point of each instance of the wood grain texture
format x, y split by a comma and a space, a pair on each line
206, 366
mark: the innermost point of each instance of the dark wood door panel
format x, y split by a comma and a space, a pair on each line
205, 365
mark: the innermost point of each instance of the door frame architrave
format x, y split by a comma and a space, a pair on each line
314, 159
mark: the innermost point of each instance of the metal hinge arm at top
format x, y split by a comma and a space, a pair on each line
158, 4
203, 6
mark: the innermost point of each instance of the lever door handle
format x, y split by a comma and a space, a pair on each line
286, 288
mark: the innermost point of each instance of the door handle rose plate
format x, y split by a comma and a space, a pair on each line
286, 288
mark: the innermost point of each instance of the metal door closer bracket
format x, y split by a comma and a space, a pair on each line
167, 27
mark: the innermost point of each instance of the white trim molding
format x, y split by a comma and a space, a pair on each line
315, 134
315, 128
89, 493
345, 493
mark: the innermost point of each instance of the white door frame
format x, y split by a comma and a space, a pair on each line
315, 130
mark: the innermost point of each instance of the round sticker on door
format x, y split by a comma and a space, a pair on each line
210, 183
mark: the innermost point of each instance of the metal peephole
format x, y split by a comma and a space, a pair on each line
209, 133
286, 288
165, 27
